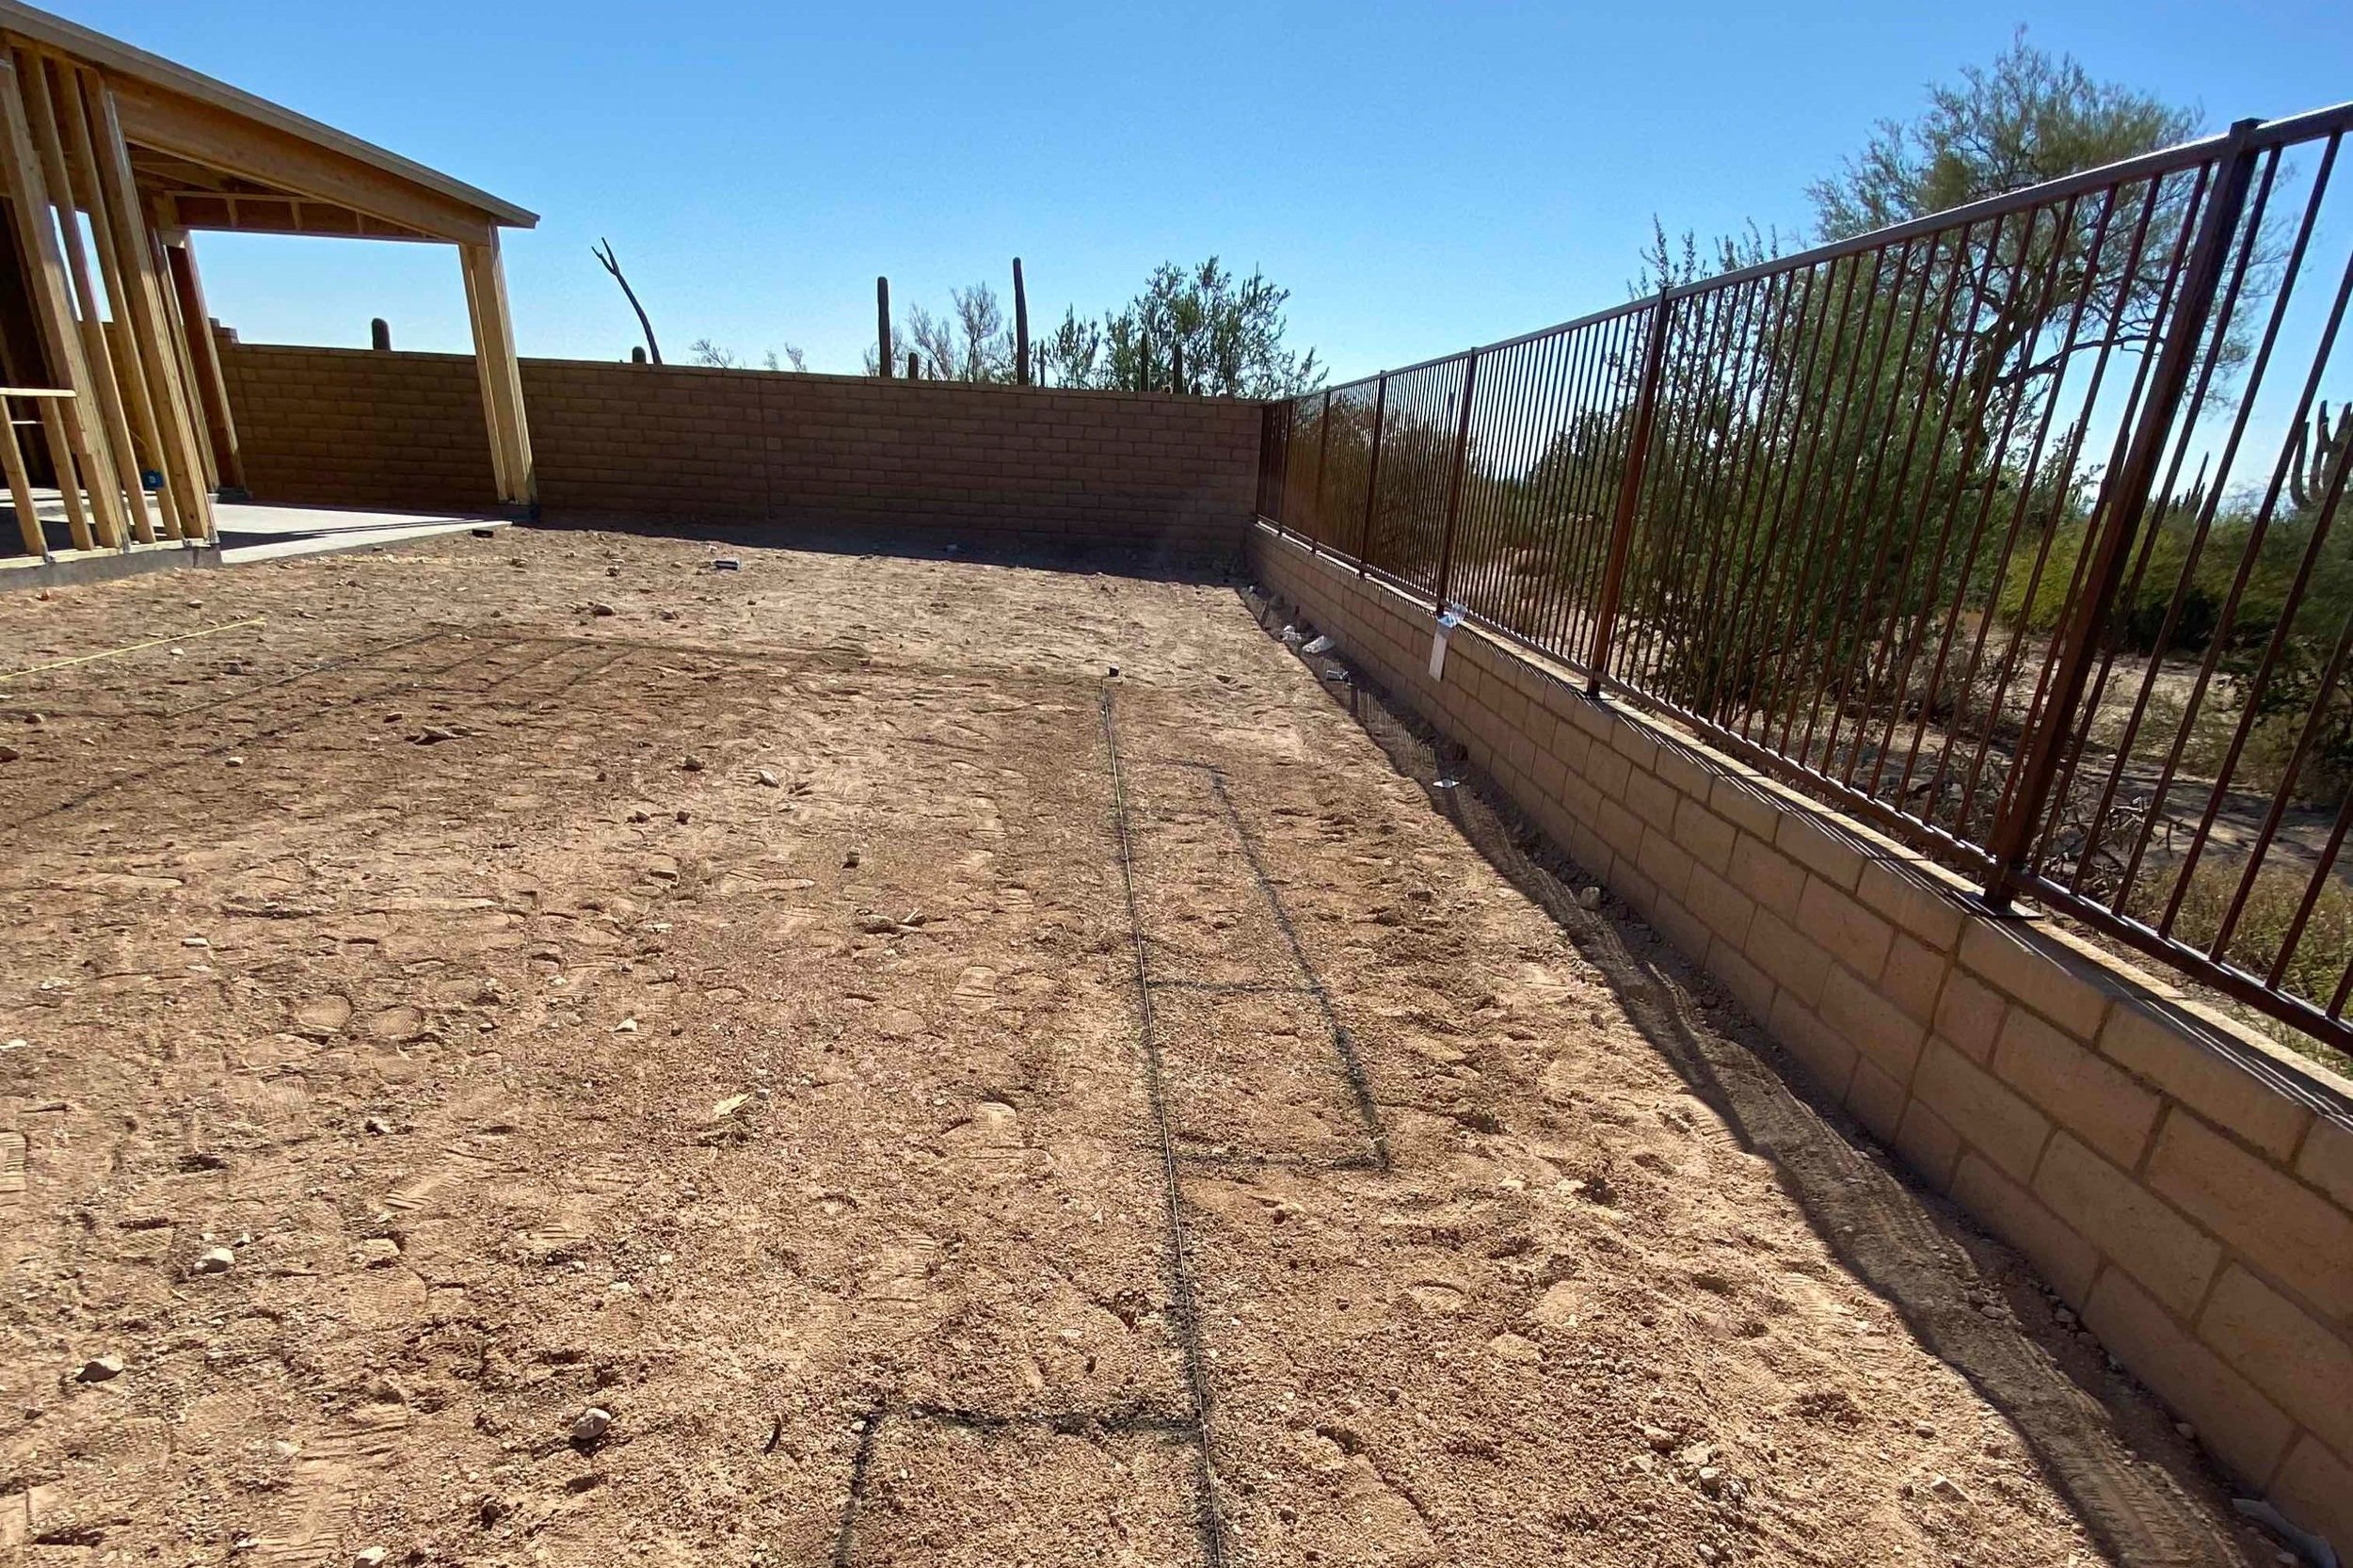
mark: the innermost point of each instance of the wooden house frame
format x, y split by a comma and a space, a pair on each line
111, 159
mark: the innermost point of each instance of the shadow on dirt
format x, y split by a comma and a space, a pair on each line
1905, 1244
898, 539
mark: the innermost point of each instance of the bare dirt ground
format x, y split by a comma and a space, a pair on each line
944, 1102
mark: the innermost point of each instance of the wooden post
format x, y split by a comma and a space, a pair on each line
882, 331
912, 374
140, 401
182, 356
109, 408
1176, 367
379, 334
1020, 324
502, 378
501, 469
71, 449
212, 382
179, 462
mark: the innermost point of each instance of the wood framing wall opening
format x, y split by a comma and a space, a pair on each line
111, 160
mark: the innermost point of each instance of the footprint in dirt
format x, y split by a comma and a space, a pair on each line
323, 1017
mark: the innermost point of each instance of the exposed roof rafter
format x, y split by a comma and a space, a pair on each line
191, 133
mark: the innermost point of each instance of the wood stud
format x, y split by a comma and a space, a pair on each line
140, 383
83, 467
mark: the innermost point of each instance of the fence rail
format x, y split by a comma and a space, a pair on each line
2013, 529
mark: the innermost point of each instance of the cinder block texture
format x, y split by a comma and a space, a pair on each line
2187, 1187
987, 467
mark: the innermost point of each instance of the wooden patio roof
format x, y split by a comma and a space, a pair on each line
227, 159
110, 157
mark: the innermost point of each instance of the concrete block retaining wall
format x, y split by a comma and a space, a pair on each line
989, 467
2177, 1181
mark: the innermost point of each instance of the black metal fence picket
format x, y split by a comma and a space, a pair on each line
2013, 529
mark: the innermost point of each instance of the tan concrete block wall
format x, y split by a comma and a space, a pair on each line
989, 466
341, 427
2184, 1186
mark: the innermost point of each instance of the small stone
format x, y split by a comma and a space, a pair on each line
233, 762
1511, 1347
373, 1556
692, 764
1659, 1438
768, 777
727, 562
1943, 1486
376, 1251
1588, 898
2186, 1431
375, 1126
10, 754
849, 861
492, 1511
195, 942
591, 1426
100, 1368
627, 1026
641, 816
602, 609
218, 1260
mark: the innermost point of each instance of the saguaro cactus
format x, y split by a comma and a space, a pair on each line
2328, 445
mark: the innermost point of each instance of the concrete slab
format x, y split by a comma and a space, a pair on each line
249, 530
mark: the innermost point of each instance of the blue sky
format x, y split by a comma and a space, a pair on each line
1422, 177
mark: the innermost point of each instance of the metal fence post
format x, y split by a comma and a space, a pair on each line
1324, 449
1273, 458
1454, 488
1372, 474
2118, 513
1629, 494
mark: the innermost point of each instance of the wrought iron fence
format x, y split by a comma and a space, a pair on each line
2013, 529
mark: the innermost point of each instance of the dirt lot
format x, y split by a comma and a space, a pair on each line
944, 1101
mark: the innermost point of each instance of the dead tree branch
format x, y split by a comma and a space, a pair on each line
653, 350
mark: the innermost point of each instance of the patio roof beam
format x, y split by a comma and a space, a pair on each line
266, 212
156, 119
